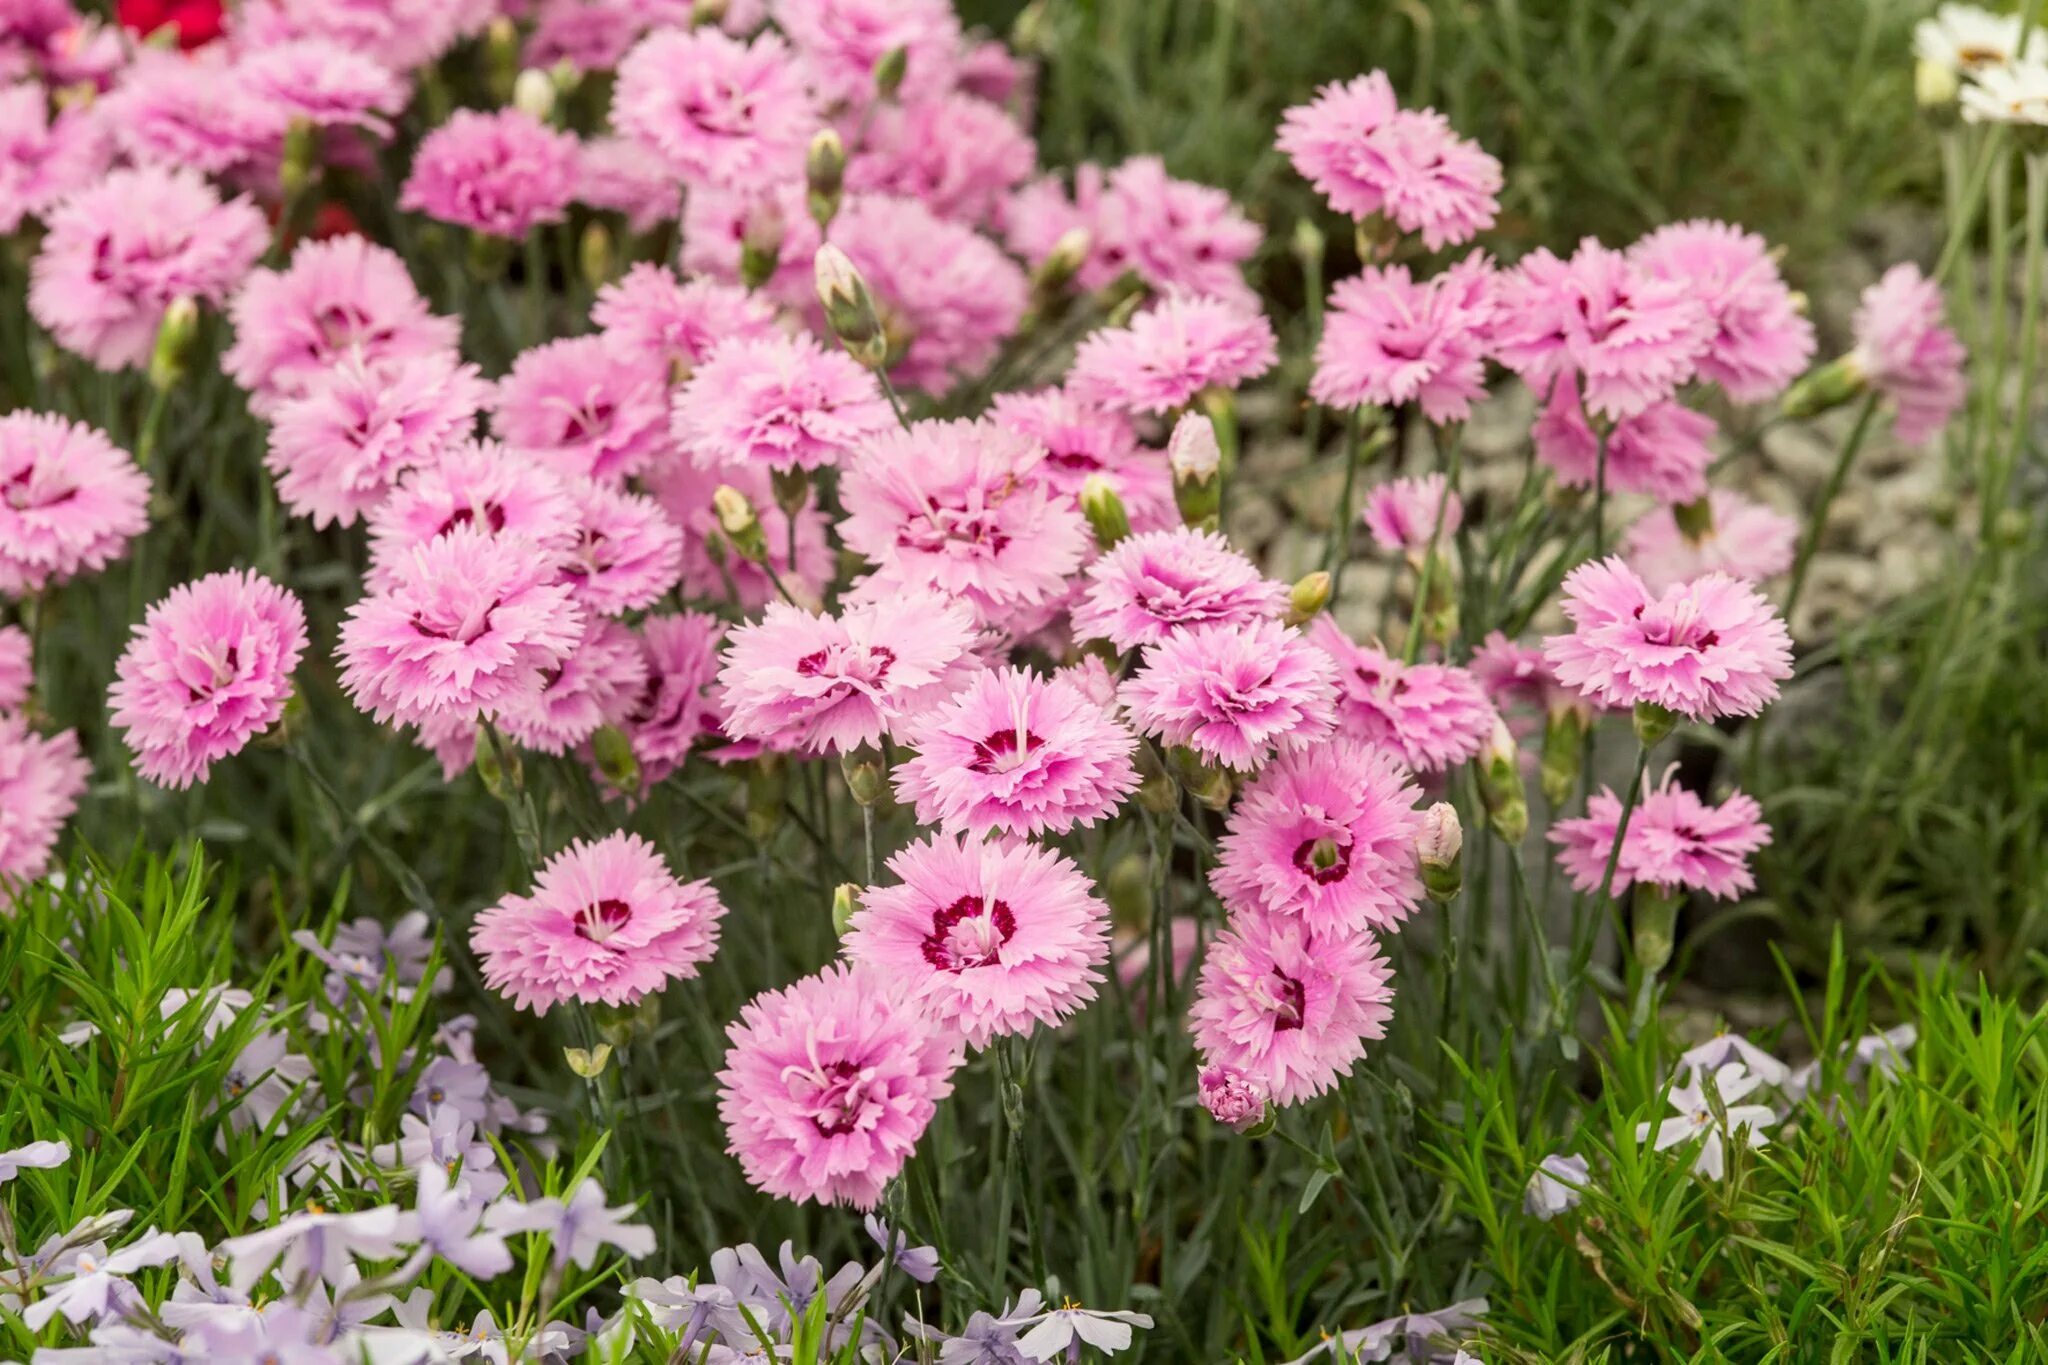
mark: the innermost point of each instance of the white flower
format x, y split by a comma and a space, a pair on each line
1967, 40
1555, 1186
1067, 1328
1725, 1048
2008, 94
1696, 1118
95, 1284
1193, 450
38, 1156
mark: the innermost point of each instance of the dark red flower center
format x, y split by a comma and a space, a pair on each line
970, 932
1323, 860
842, 1094
597, 923
1002, 751
1290, 999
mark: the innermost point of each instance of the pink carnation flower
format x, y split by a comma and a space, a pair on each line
957, 155
674, 709
208, 670
1171, 352
669, 327
617, 175
830, 1083
574, 407
337, 449
174, 109
476, 484
40, 783
1327, 834
1173, 234
993, 938
1388, 341
1631, 338
626, 555
716, 221
1403, 514
1160, 583
607, 923
1017, 753
685, 491
469, 625
1230, 1097
325, 85
960, 507
401, 33
1081, 440
720, 113
1233, 693
118, 254
1676, 842
43, 159
1513, 674
69, 501
501, 173
17, 668
840, 682
1662, 451
782, 402
840, 41
1289, 1008
1708, 648
340, 296
1761, 341
1368, 156
1434, 715
1908, 352
596, 684
1746, 540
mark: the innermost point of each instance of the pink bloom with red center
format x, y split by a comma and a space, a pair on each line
960, 507
957, 155
948, 290
1172, 351
1328, 834
1908, 353
668, 326
1745, 540
674, 709
43, 159
1080, 440
619, 176
1676, 842
572, 405
339, 297
1434, 715
1367, 156
1287, 1007
840, 682
1709, 648
186, 109
500, 173
1016, 753
626, 555
208, 670
1230, 1098
721, 113
470, 624
607, 923
1234, 693
829, 1084
1409, 515
338, 448
118, 254
477, 484
69, 501
1761, 341
40, 782
1160, 583
1663, 450
17, 668
715, 221
782, 402
1631, 338
1388, 340
1173, 234
325, 85
840, 41
994, 938
684, 492
596, 684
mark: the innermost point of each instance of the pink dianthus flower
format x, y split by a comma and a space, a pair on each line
595, 684
321, 83
17, 668
782, 402
1159, 583
721, 113
501, 173
1761, 341
673, 710
685, 492
477, 484
1435, 716
40, 783
1407, 516
1662, 451
1081, 440
69, 501
840, 42
43, 158
1676, 842
1230, 1097
1744, 540
1908, 353
715, 222
957, 155
1172, 234
1388, 340
174, 109
669, 326
617, 175
1171, 352
1233, 693
626, 554
572, 405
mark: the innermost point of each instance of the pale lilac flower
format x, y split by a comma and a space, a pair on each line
1063, 1331
476, 484
1158, 584
1662, 451
1171, 352
69, 501
1234, 693
1555, 1186
1725, 1048
1409, 516
321, 1245
579, 1228
1744, 540
719, 112
91, 1285
572, 405
919, 1263
40, 783
988, 1338
840, 41
1695, 1119
1676, 842
957, 155
1388, 340
501, 173
1421, 1338
783, 402
1908, 353
670, 326
1230, 1097
35, 1156
626, 554
1761, 340
1435, 716
265, 1077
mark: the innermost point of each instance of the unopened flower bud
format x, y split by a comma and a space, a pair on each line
1104, 510
792, 488
767, 788
1440, 849
301, 156
761, 234
589, 1063
825, 176
864, 780
1500, 785
501, 57
1564, 736
1695, 519
890, 70
499, 779
705, 12
1030, 33
1830, 386
1063, 262
1195, 457
1209, 785
613, 754
2010, 528
1653, 722
171, 358
533, 94
1935, 84
1157, 790
1308, 242
594, 254
845, 900
1656, 925
1232, 1098
849, 307
1306, 599
742, 528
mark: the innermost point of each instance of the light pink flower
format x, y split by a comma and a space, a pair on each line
500, 173
1173, 234
1631, 338
1233, 693
1434, 715
1016, 753
208, 670
1159, 583
957, 155
781, 402
43, 159
721, 113
840, 682
476, 484
469, 625
1230, 1098
1708, 648
596, 684
615, 174
69, 501
319, 82
626, 555
175, 109
685, 491
959, 507
1388, 340
1908, 352
1662, 451
40, 783
17, 668
1327, 833
1761, 341
1747, 540
338, 448
1290, 1009
572, 405
588, 35
607, 923
829, 1084
715, 222
1171, 352
673, 710
840, 41
117, 254
1515, 674
1080, 440
1676, 842
993, 938
1402, 514
401, 33
669, 326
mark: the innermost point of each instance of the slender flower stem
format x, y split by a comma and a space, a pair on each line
518, 803
152, 424
895, 403
1600, 495
1832, 489
1336, 554
1451, 464
1998, 474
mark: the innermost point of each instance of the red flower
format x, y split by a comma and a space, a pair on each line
198, 21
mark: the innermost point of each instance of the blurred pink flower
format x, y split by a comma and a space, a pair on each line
17, 668
1908, 352
40, 783
1172, 351
670, 326
626, 555
1160, 583
1761, 341
572, 405
1662, 451
174, 109
69, 501
596, 684
500, 173
43, 158
1172, 234
401, 33
1747, 540
617, 175
1435, 716
323, 84
1388, 341
957, 155
719, 112
684, 492
1676, 842
1081, 439
1402, 514
840, 41
715, 221
476, 484
673, 710
781, 402
1233, 693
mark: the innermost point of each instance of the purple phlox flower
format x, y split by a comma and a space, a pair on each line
318, 1244
1725, 1049
919, 1263
775, 1299
37, 1156
1555, 1186
579, 1228
448, 1218
1883, 1052
676, 1305
281, 1331
224, 1006
1696, 1101
454, 1082
1064, 1330
91, 1231
446, 1140
263, 1080
1420, 1338
988, 1339
348, 1309
92, 1284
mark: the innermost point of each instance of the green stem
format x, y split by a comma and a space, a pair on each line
1335, 552
152, 424
518, 803
1451, 464
1832, 489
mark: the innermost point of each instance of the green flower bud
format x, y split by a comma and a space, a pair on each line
1500, 786
760, 245
890, 70
1440, 849
1653, 722
615, 759
1104, 510
1656, 925
499, 779
533, 94
594, 254
845, 900
864, 780
1308, 597
825, 176
742, 528
589, 1063
171, 358
1564, 734
850, 308
1695, 519
1830, 386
